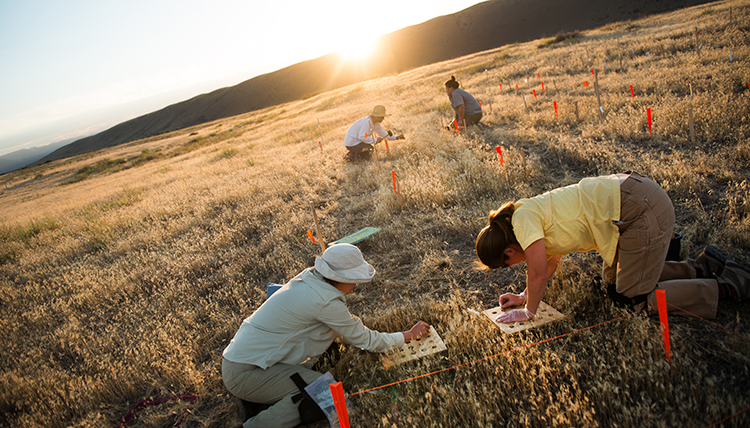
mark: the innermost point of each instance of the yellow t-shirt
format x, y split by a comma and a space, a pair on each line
574, 218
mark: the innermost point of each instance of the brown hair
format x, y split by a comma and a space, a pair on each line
496, 237
452, 83
328, 280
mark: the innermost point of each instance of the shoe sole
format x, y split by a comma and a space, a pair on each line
715, 256
737, 265
740, 274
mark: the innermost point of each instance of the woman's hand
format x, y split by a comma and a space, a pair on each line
516, 315
420, 329
510, 299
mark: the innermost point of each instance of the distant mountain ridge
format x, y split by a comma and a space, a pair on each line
21, 158
481, 27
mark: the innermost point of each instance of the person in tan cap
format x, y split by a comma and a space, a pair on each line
289, 332
365, 133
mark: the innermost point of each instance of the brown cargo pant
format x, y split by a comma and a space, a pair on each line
646, 225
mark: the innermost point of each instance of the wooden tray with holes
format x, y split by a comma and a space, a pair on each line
416, 349
545, 314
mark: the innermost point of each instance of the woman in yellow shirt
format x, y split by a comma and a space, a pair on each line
629, 220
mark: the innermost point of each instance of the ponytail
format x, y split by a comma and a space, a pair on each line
496, 237
452, 83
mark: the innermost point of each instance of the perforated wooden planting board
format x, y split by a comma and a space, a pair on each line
416, 349
544, 314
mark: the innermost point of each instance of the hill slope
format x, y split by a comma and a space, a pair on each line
124, 273
484, 26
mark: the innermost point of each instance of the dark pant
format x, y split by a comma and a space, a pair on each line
470, 119
473, 119
360, 148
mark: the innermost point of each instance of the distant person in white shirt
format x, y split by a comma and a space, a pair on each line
365, 133
467, 110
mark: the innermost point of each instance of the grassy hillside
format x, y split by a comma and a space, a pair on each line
483, 26
125, 272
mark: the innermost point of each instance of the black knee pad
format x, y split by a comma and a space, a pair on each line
624, 302
309, 411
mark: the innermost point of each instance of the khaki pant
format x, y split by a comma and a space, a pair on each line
269, 386
646, 225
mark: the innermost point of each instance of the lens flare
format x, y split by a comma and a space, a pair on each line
358, 48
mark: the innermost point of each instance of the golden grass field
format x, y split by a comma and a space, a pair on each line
125, 272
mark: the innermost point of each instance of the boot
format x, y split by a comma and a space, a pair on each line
737, 276
710, 262
249, 409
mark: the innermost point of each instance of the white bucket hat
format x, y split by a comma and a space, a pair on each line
344, 263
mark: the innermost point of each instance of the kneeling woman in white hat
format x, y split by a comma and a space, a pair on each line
293, 328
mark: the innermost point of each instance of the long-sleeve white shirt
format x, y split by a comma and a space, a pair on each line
365, 131
299, 322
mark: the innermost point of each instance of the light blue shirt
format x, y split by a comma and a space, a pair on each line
299, 322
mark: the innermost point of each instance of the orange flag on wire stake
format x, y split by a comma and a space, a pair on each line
648, 117
500, 155
310, 235
339, 400
661, 300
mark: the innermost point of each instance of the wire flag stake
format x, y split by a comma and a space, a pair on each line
661, 300
500, 155
337, 391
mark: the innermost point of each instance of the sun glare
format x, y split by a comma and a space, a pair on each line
358, 48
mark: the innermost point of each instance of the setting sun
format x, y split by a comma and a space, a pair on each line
358, 48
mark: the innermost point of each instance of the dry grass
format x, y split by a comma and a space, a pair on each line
128, 282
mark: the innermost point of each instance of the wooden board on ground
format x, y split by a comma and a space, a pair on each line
416, 349
544, 314
358, 236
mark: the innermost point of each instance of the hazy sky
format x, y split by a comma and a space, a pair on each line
73, 67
